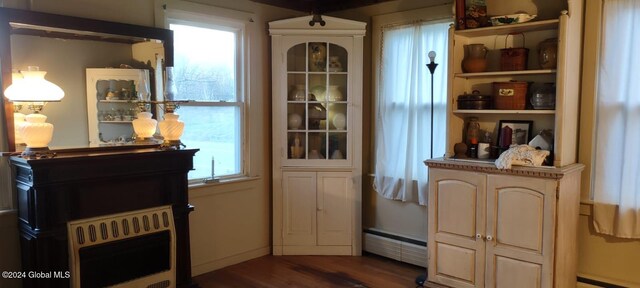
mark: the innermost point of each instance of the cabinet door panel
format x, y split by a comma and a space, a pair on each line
516, 208
515, 273
299, 209
456, 215
334, 208
520, 219
460, 199
456, 262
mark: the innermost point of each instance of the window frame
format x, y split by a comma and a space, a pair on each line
205, 16
589, 87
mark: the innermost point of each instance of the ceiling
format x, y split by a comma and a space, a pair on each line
319, 6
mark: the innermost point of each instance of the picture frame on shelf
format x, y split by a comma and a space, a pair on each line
514, 132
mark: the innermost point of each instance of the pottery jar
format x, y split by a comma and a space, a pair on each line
548, 53
475, 58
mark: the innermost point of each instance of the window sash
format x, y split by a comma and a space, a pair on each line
238, 27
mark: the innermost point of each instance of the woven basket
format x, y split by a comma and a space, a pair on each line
514, 59
510, 95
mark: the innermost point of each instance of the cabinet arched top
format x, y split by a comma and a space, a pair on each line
300, 26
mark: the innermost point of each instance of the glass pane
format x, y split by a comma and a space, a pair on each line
317, 114
317, 57
337, 87
296, 116
318, 86
337, 58
296, 58
297, 143
338, 145
297, 87
317, 146
216, 131
338, 116
205, 64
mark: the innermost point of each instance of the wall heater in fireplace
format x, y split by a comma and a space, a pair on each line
131, 249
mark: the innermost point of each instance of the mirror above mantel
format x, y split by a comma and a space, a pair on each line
65, 47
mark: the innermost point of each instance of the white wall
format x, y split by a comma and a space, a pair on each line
231, 221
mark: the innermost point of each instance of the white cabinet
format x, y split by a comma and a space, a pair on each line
502, 228
563, 120
317, 135
315, 207
111, 103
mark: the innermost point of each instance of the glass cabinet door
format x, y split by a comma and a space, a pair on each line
317, 114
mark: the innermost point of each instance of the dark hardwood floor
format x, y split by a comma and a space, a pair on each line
314, 271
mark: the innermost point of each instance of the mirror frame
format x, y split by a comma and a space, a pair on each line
90, 27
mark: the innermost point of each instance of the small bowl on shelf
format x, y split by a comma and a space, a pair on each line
511, 19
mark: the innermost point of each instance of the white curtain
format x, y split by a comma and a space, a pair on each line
403, 112
617, 154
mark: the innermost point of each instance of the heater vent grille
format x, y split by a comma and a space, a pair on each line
163, 284
97, 229
110, 228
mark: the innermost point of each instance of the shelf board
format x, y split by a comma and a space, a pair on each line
115, 122
494, 111
505, 73
508, 29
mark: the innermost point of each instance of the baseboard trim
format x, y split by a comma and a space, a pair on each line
395, 247
598, 283
228, 261
396, 237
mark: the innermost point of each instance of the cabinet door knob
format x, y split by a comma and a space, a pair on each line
479, 236
489, 238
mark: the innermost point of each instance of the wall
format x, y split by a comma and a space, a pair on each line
601, 257
231, 221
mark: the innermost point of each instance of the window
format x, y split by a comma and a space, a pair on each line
404, 107
209, 70
616, 164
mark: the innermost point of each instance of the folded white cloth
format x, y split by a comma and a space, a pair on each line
523, 155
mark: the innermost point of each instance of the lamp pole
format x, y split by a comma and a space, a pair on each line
432, 68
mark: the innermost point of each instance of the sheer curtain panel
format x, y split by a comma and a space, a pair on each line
403, 112
616, 183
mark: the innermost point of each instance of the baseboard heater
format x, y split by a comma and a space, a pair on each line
597, 283
396, 247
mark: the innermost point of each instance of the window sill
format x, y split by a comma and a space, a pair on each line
223, 181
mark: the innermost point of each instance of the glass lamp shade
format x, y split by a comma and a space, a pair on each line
144, 126
34, 88
171, 128
35, 132
18, 119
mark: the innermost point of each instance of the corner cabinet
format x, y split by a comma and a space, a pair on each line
317, 135
502, 228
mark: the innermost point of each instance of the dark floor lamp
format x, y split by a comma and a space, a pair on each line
432, 68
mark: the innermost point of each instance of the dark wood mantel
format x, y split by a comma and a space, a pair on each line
84, 183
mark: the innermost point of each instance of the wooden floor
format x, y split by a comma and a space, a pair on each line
314, 271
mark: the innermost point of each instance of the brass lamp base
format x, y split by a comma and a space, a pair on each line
37, 153
172, 145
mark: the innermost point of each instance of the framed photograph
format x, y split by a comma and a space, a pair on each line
514, 132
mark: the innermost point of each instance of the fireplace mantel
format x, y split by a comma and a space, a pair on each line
91, 182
